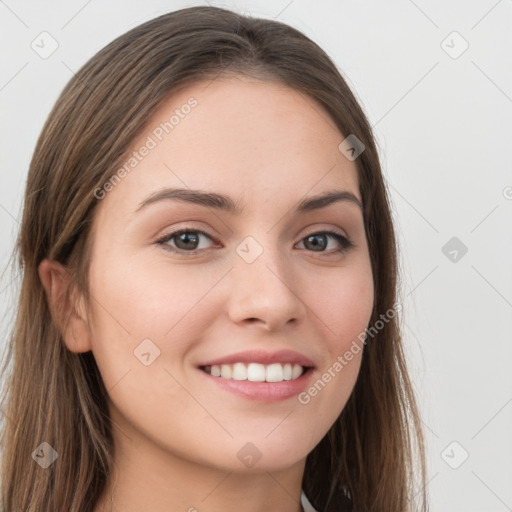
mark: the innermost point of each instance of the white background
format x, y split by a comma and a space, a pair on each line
444, 130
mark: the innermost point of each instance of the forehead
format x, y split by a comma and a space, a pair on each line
254, 140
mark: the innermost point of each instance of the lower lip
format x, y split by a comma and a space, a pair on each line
263, 391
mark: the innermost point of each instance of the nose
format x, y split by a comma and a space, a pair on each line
265, 292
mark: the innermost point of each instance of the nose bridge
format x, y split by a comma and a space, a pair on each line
260, 254
263, 283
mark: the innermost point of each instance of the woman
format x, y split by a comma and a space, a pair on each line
208, 312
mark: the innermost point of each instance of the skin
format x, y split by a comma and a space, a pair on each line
176, 434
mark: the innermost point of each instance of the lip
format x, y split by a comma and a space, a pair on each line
262, 391
265, 392
262, 357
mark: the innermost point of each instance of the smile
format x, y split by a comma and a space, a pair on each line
260, 375
256, 372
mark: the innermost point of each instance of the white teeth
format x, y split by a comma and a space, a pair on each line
275, 372
225, 371
256, 372
296, 371
239, 372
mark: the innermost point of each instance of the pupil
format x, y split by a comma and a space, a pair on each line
187, 237
316, 244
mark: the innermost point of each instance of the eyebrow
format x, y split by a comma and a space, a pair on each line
225, 203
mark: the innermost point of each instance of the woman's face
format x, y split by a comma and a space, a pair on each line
260, 283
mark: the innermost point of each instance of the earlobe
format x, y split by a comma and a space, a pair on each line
69, 317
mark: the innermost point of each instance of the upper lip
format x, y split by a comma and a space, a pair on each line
262, 357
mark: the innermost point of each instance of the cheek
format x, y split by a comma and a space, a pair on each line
147, 297
137, 301
344, 303
343, 306
138, 308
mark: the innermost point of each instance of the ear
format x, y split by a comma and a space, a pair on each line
68, 313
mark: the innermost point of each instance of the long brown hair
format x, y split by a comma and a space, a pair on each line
367, 460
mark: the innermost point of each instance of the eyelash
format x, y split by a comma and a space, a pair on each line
344, 242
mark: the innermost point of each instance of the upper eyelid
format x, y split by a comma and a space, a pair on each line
307, 230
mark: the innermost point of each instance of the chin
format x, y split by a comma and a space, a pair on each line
268, 455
